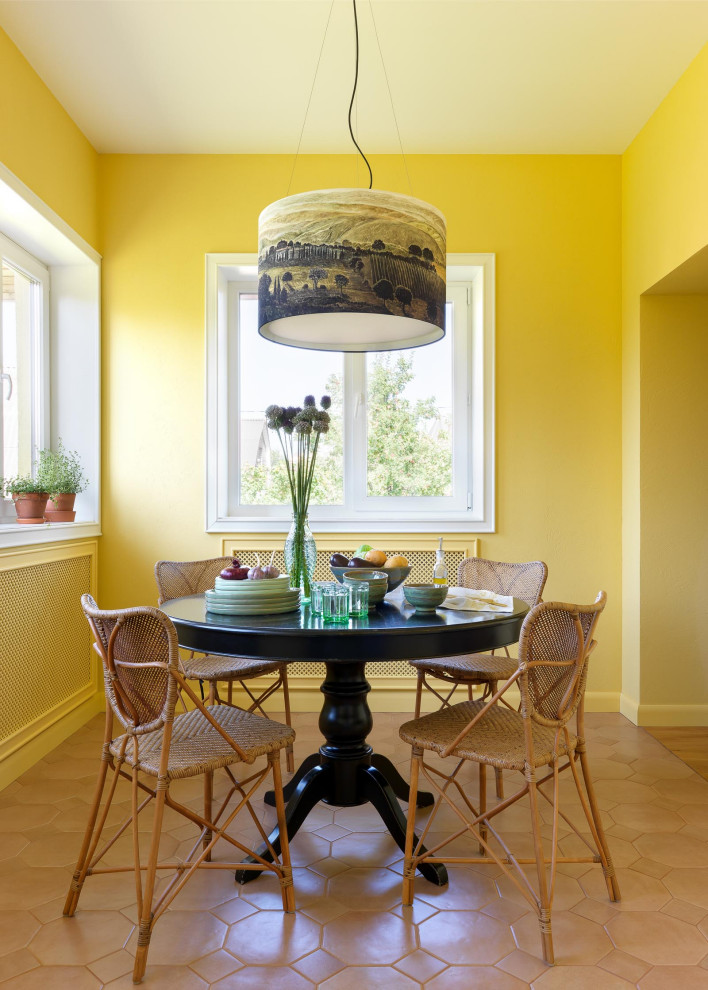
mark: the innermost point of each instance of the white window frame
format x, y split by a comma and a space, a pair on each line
471, 274
69, 378
28, 265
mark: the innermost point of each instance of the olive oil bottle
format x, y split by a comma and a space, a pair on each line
440, 568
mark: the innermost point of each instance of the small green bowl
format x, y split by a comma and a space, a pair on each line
377, 581
425, 597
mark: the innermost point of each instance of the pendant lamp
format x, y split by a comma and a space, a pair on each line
351, 269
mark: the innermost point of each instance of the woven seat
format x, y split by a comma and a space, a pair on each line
143, 680
213, 667
179, 578
497, 739
524, 581
195, 748
536, 741
472, 668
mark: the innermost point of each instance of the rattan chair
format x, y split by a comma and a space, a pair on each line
139, 651
537, 741
177, 578
524, 581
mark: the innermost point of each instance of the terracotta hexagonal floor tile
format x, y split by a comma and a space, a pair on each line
16, 930
318, 966
567, 893
379, 938
674, 978
272, 938
366, 849
639, 891
695, 814
265, 892
623, 792
54, 849
420, 965
307, 848
161, 978
56, 977
467, 890
579, 978
366, 890
673, 849
668, 768
647, 818
466, 938
691, 790
16, 817
474, 978
688, 885
658, 938
81, 939
260, 977
369, 978
576, 940
180, 937
12, 844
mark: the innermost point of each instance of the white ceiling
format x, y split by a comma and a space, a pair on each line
466, 76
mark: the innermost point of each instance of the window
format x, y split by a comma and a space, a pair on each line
49, 354
410, 445
23, 326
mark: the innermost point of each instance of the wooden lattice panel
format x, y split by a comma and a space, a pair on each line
45, 645
421, 562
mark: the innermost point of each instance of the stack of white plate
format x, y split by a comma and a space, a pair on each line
265, 597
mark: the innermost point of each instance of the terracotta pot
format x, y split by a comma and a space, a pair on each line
60, 508
29, 506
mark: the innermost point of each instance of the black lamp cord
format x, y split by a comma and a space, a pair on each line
351, 102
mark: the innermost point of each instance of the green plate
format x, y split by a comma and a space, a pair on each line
265, 586
251, 609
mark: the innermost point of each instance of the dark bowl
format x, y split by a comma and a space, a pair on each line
395, 575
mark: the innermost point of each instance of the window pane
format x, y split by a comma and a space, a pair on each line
409, 397
19, 302
273, 374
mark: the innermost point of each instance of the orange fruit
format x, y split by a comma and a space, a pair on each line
376, 557
397, 561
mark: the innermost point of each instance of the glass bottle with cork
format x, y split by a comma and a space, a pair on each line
440, 568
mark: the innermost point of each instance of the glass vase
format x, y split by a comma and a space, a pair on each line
300, 556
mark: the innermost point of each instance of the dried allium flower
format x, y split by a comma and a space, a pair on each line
325, 401
309, 400
303, 427
320, 426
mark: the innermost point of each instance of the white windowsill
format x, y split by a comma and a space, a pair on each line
30, 534
452, 523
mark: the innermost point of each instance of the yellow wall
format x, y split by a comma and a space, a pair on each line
42, 145
674, 491
664, 223
554, 224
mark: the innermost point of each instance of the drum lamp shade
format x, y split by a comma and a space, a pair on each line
351, 270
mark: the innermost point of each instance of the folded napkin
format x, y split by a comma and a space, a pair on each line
471, 600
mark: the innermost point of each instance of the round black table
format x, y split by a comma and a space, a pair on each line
345, 771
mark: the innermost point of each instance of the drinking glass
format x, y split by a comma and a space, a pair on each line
359, 598
335, 604
318, 589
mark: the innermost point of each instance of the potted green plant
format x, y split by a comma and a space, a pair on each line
29, 495
62, 475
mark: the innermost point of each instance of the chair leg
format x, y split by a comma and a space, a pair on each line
146, 920
408, 869
288, 891
289, 755
544, 915
87, 846
482, 804
208, 808
419, 693
600, 838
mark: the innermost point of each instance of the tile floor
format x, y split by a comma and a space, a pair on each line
350, 930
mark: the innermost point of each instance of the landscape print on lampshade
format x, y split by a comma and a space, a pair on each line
353, 251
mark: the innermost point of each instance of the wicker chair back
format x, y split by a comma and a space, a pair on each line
556, 641
177, 578
137, 646
525, 581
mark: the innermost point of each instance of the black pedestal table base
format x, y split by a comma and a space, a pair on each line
346, 772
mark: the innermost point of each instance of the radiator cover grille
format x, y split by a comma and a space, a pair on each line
45, 644
421, 562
